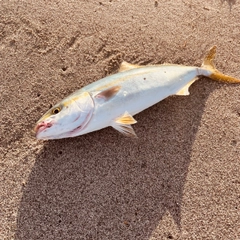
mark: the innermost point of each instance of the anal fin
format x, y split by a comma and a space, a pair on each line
123, 125
185, 90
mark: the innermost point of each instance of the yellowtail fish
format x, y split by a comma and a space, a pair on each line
114, 100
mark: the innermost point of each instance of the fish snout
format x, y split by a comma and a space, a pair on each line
41, 126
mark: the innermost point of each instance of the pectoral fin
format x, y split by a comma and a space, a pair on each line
185, 90
108, 93
125, 66
123, 125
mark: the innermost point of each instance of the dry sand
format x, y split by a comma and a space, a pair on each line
178, 180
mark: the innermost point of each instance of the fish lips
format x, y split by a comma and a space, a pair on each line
40, 127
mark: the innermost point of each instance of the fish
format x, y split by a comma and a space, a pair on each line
114, 100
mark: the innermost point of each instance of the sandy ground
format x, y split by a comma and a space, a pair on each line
178, 180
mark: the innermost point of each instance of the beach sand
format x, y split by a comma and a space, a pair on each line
178, 180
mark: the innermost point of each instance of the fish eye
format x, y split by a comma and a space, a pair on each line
56, 110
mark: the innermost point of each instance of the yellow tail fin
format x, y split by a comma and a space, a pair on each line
215, 74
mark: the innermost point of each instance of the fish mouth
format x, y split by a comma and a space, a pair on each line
40, 127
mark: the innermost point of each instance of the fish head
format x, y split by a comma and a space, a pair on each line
67, 118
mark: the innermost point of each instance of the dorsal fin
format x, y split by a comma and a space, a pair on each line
125, 66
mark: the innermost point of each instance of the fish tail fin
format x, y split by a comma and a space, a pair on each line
212, 72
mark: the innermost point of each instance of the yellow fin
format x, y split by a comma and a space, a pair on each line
185, 90
123, 125
208, 60
126, 118
215, 74
125, 66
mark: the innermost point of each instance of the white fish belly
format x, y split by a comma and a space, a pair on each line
140, 89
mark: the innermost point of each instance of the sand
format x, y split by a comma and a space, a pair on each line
178, 180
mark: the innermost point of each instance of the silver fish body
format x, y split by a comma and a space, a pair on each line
114, 100
140, 88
